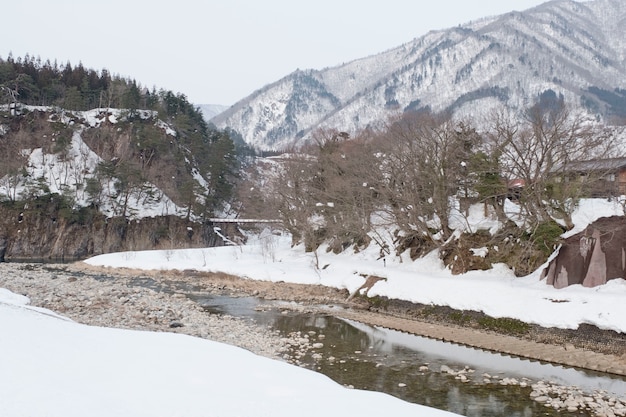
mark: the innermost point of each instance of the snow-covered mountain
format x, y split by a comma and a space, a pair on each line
573, 48
209, 111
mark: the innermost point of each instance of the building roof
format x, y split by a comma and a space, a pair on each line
609, 164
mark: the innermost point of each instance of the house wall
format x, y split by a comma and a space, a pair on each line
621, 178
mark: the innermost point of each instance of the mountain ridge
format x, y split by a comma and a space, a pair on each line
573, 48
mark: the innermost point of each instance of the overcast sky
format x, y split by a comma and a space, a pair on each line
217, 52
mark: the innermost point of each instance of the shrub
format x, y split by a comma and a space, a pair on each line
159, 233
546, 237
504, 325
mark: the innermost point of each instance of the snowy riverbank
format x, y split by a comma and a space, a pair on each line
56, 367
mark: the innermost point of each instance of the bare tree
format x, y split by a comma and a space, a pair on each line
344, 186
14, 155
537, 150
15, 88
256, 196
295, 203
422, 166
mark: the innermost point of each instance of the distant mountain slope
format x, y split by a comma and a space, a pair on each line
577, 49
209, 111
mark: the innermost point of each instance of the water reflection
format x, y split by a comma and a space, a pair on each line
493, 363
366, 360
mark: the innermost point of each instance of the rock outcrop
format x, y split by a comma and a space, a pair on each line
591, 257
42, 234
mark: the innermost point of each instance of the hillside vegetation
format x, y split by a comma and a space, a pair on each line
158, 137
79, 145
422, 179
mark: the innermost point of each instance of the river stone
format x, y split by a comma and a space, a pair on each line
445, 369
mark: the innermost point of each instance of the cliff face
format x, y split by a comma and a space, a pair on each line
40, 233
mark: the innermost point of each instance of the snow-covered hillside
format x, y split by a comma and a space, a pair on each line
68, 172
573, 48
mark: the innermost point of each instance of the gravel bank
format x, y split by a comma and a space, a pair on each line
108, 300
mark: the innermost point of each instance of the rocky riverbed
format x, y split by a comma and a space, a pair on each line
109, 300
